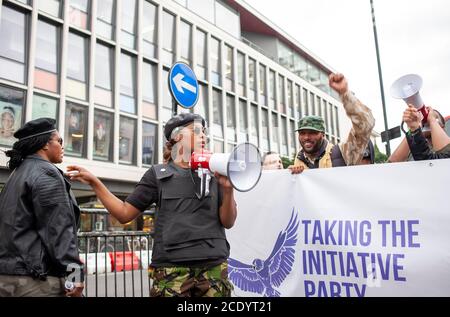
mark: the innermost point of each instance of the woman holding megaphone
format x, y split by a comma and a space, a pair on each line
190, 249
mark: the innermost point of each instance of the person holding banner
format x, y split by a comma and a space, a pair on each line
423, 145
317, 152
190, 249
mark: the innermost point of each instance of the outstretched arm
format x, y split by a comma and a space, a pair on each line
122, 211
361, 117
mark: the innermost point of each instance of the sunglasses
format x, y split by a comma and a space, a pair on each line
60, 141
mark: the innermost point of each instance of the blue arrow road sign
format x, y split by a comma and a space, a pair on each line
183, 85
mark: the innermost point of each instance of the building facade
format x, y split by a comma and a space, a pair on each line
100, 68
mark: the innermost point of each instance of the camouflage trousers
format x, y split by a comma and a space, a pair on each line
191, 282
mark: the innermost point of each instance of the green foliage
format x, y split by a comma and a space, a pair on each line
380, 157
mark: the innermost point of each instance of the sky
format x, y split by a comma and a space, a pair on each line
413, 36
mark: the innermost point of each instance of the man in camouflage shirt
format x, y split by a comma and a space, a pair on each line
317, 151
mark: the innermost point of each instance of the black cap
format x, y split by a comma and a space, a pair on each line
180, 120
36, 127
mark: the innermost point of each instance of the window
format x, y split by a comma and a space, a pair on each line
202, 8
186, 42
265, 129
167, 98
275, 125
149, 32
231, 119
241, 73
305, 102
44, 107
13, 35
202, 104
77, 66
313, 103
104, 75
293, 137
254, 124
273, 88
149, 138
127, 83
262, 85
281, 96
79, 13
338, 132
243, 119
298, 98
127, 137
332, 121
201, 54
327, 123
129, 18
52, 7
217, 114
229, 68
227, 19
284, 145
103, 135
12, 102
106, 18
75, 139
149, 108
290, 98
252, 78
218, 146
319, 106
168, 39
47, 57
215, 62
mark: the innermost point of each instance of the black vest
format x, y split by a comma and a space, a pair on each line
186, 229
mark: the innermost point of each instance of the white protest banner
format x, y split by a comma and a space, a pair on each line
381, 230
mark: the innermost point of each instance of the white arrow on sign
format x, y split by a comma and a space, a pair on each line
180, 84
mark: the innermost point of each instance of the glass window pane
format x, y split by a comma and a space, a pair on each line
262, 84
47, 47
306, 102
11, 109
79, 13
168, 39
76, 130
201, 54
265, 129
252, 78
229, 68
281, 97
313, 103
127, 137
202, 8
228, 20
103, 135
149, 91
202, 104
254, 124
104, 74
44, 107
293, 137
272, 87
105, 18
12, 48
127, 83
243, 127
77, 59
231, 118
186, 41
284, 147
167, 98
290, 98
217, 114
52, 7
128, 36
275, 127
149, 146
215, 62
149, 29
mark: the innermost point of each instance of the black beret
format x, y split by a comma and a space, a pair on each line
180, 120
36, 127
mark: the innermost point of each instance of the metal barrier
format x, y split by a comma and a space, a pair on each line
116, 262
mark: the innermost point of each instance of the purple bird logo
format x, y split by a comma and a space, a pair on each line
264, 275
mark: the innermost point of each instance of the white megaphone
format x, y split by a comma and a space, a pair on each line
407, 88
243, 167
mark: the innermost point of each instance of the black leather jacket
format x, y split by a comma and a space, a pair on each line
39, 217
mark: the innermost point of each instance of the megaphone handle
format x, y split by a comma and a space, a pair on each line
424, 112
